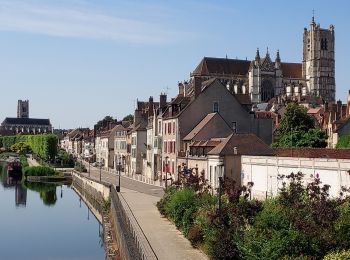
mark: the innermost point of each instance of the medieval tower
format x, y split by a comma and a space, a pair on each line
318, 61
23, 109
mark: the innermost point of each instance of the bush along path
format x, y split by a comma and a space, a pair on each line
302, 222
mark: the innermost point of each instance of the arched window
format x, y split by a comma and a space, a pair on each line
267, 91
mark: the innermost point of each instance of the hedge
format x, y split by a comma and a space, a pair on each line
44, 146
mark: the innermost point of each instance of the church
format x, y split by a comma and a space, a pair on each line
23, 124
264, 78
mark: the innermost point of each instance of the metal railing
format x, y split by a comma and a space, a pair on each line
128, 220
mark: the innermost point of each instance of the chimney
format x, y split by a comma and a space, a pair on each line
162, 100
181, 89
186, 88
197, 86
150, 106
137, 117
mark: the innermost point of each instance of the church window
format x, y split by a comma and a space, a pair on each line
267, 91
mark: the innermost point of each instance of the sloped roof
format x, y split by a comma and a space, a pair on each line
246, 144
199, 127
291, 70
26, 121
210, 66
222, 66
244, 99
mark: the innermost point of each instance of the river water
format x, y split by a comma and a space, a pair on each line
40, 221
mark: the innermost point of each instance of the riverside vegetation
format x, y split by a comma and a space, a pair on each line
302, 222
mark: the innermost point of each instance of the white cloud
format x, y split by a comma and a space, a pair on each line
80, 22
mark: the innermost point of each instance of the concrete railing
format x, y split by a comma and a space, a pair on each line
132, 240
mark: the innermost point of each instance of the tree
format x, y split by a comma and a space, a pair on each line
104, 122
129, 118
297, 129
344, 141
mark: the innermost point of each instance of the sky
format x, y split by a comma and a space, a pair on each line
80, 60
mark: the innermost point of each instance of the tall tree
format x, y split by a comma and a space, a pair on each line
104, 122
297, 129
129, 118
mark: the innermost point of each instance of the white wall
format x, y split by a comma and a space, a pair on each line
263, 172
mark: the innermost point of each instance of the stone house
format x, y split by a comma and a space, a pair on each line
184, 113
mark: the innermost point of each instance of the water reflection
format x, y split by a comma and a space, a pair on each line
13, 182
44, 231
47, 191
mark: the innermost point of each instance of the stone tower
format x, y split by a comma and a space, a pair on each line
23, 109
318, 61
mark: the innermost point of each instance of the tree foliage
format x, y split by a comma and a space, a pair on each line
43, 146
297, 129
20, 147
104, 122
129, 118
344, 141
302, 222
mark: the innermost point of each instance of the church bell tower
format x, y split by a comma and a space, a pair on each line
23, 109
318, 61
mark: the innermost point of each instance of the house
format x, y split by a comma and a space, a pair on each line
138, 134
153, 162
214, 148
184, 113
120, 145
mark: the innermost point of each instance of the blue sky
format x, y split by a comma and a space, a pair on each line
79, 60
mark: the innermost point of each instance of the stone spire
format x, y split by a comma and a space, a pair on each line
257, 56
278, 59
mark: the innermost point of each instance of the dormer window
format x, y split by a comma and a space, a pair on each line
215, 107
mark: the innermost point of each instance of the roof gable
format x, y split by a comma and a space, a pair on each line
242, 144
221, 66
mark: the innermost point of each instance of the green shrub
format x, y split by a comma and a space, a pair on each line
39, 171
44, 146
342, 226
80, 167
162, 204
24, 161
343, 255
272, 235
181, 201
344, 141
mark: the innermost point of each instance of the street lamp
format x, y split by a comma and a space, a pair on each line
100, 169
119, 166
166, 171
221, 180
89, 164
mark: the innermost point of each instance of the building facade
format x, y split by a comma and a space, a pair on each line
263, 78
23, 124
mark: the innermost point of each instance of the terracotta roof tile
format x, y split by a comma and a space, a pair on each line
246, 144
221, 66
292, 70
225, 67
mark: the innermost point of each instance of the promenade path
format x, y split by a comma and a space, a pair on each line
32, 161
166, 241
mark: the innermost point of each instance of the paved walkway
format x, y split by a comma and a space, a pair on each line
32, 161
165, 239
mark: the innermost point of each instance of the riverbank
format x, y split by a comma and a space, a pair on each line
166, 241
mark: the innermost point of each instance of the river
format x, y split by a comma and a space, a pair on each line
39, 221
